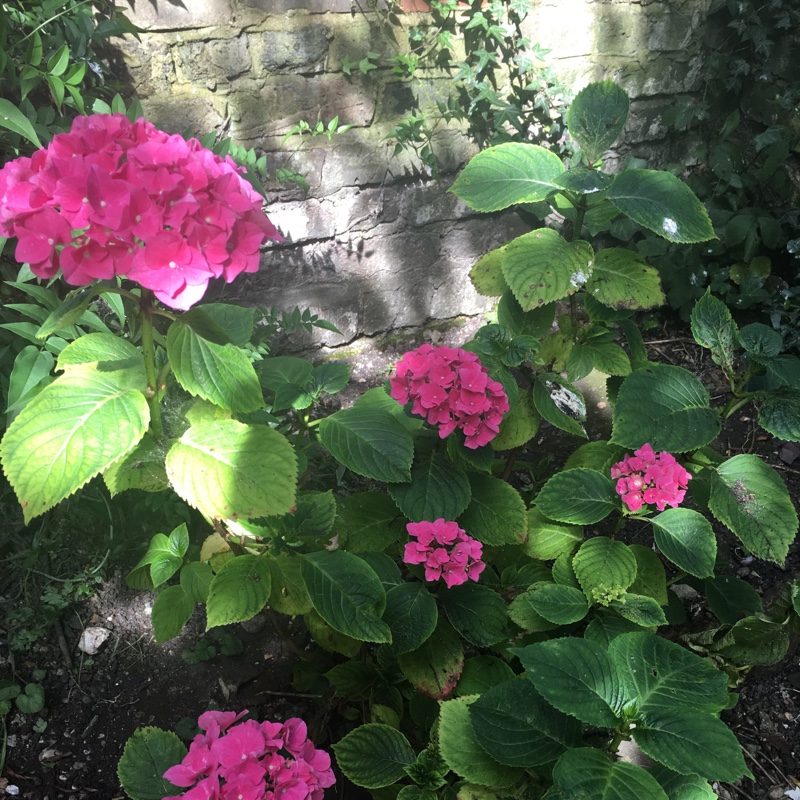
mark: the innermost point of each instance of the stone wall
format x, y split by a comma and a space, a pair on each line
375, 245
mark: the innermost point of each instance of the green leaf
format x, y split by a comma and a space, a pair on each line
239, 591
713, 328
12, 119
542, 267
509, 173
730, 599
171, 611
164, 555
411, 615
57, 63
760, 341
752, 641
560, 403
329, 638
682, 787
548, 539
281, 370
576, 676
588, 772
661, 203
644, 611
660, 675
496, 512
522, 613
438, 489
476, 612
374, 755
603, 565
666, 406
598, 456
370, 443
578, 496
582, 180
148, 754
332, 377
463, 753
691, 742
229, 470
779, 414
221, 374
435, 667
105, 353
31, 701
368, 522
347, 594
289, 595
487, 274
622, 279
237, 322
749, 497
142, 468
196, 580
561, 605
651, 578
71, 431
687, 539
519, 425
596, 117
536, 323
518, 728
32, 367
481, 673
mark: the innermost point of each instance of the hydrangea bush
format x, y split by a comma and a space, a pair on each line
496, 638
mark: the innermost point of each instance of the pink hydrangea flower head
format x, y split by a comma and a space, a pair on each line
450, 388
647, 478
445, 550
248, 760
166, 212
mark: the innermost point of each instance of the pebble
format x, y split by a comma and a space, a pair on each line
92, 639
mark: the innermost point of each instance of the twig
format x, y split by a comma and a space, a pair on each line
289, 694
62, 644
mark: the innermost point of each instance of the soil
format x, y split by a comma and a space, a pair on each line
94, 703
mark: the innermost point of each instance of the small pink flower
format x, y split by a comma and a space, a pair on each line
647, 477
445, 550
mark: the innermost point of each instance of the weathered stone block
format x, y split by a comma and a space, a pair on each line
149, 64
154, 15
300, 50
312, 6
221, 59
181, 112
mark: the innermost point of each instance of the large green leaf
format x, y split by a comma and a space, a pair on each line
682, 787
289, 594
691, 742
374, 755
536, 323
477, 612
438, 489
519, 425
754, 640
640, 609
542, 267
239, 590
71, 431
577, 677
368, 522
411, 615
435, 667
750, 498
658, 674
713, 328
31, 371
148, 754
228, 470
463, 753
142, 468
622, 279
487, 274
587, 772
496, 512
370, 442
347, 594
506, 174
602, 565
237, 321
561, 605
221, 374
171, 611
578, 497
518, 728
596, 117
560, 403
666, 406
163, 558
481, 673
779, 414
661, 203
548, 539
687, 539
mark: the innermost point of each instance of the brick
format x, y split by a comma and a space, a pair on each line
176, 14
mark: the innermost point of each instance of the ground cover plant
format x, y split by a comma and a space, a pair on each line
495, 641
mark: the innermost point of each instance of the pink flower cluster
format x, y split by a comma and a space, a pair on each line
456, 559
251, 761
647, 477
452, 389
115, 197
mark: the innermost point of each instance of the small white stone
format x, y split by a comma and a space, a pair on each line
92, 639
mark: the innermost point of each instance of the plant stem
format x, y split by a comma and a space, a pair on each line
149, 350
